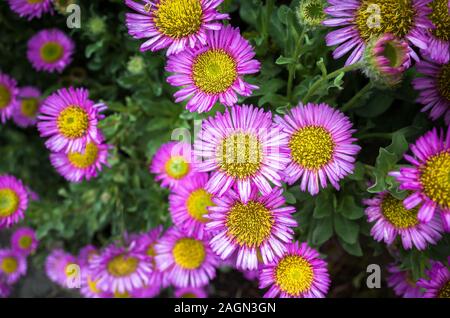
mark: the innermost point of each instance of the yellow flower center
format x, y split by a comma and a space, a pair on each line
435, 178
121, 295
73, 122
443, 81
92, 284
376, 17
178, 18
189, 253
51, 52
294, 275
240, 155
441, 19
9, 202
177, 167
34, 1
9, 265
198, 203
5, 96
312, 147
214, 71
29, 107
249, 224
444, 292
189, 295
25, 242
121, 266
394, 211
86, 159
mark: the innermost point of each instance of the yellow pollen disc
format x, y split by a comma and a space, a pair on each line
5, 96
377, 17
189, 295
249, 224
444, 292
294, 275
9, 265
51, 52
240, 155
25, 242
9, 202
151, 250
122, 265
198, 203
177, 167
178, 18
73, 122
394, 211
435, 178
214, 71
443, 81
441, 19
121, 295
34, 1
189, 253
92, 284
86, 159
29, 107
312, 147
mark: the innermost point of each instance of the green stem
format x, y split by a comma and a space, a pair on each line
352, 102
293, 66
332, 75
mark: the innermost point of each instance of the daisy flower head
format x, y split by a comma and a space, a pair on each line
299, 273
31, 8
310, 13
50, 50
27, 107
187, 260
8, 96
427, 178
88, 286
24, 240
254, 231
69, 118
392, 219
402, 283
434, 89
5, 288
189, 203
320, 145
213, 72
190, 292
242, 146
438, 37
13, 265
120, 269
360, 21
149, 291
60, 267
173, 24
173, 163
86, 254
438, 283
13, 200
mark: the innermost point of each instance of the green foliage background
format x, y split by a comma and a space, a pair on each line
142, 116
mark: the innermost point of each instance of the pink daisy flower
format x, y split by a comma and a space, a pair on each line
187, 260
299, 273
24, 240
320, 144
150, 291
438, 283
5, 288
438, 38
31, 8
253, 232
89, 288
60, 267
13, 265
434, 89
176, 24
213, 72
120, 269
86, 254
26, 110
69, 118
428, 179
189, 203
402, 283
8, 96
244, 147
50, 50
13, 200
392, 220
190, 292
359, 21
173, 163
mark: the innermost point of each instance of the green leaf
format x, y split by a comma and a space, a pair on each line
323, 205
375, 106
282, 60
353, 249
358, 173
347, 230
348, 208
322, 231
